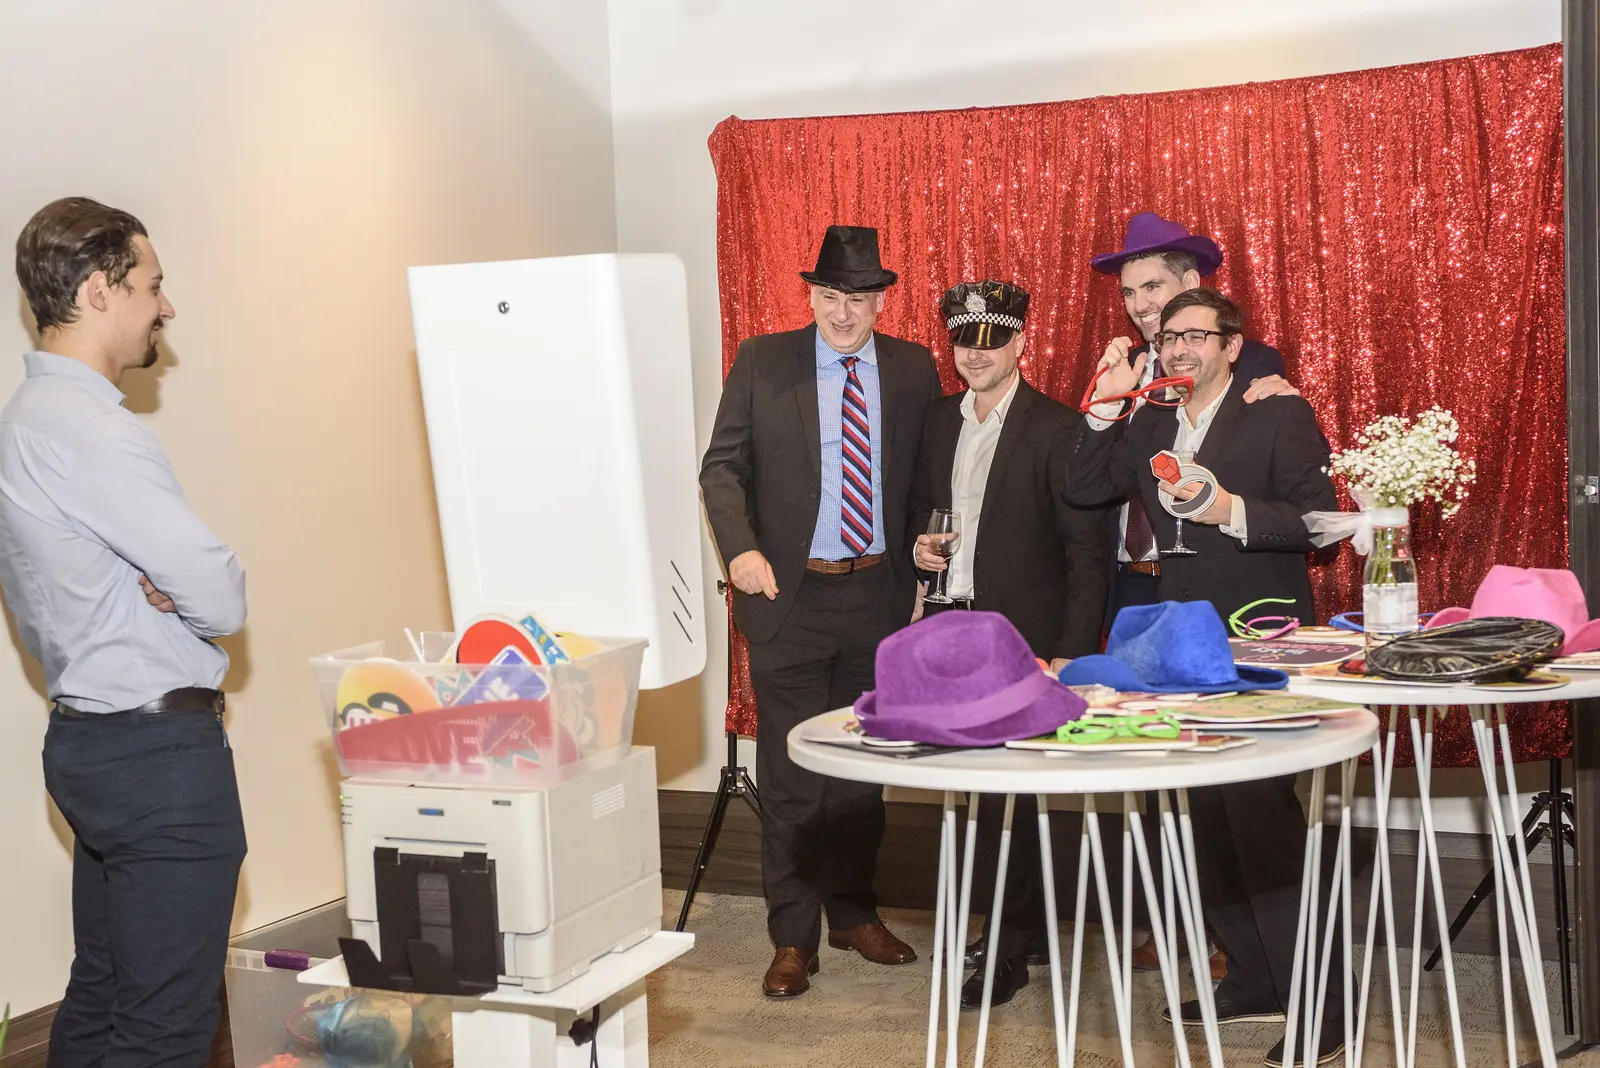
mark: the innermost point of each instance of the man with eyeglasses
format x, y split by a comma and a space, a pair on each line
1158, 260
1269, 460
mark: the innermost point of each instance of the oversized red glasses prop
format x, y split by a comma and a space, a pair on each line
1155, 393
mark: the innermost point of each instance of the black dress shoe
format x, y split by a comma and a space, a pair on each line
1038, 954
1329, 1050
1010, 976
1230, 1009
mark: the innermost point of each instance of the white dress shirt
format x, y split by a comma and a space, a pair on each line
1191, 436
968, 478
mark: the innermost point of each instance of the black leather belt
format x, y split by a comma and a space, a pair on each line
186, 699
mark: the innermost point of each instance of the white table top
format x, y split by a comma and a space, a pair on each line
1584, 684
611, 974
1015, 771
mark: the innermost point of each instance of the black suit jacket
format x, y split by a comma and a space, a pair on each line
1270, 453
761, 478
1038, 560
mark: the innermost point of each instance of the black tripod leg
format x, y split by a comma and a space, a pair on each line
747, 790
1532, 831
1559, 871
708, 842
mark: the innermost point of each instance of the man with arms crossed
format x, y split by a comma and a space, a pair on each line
118, 589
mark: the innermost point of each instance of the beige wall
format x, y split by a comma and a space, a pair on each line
290, 160
677, 69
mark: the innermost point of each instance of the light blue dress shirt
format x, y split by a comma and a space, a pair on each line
826, 541
88, 503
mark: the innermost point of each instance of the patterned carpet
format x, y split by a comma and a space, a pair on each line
706, 1009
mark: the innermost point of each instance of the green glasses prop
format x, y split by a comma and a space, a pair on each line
1263, 628
1088, 730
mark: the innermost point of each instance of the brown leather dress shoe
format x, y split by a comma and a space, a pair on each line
874, 942
788, 976
1145, 959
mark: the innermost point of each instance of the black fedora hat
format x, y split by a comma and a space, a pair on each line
848, 261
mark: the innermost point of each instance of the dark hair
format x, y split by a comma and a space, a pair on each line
1179, 263
63, 244
1230, 320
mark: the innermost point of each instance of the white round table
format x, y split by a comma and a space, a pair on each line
1339, 740
1486, 707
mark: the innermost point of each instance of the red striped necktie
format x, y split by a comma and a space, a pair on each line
856, 453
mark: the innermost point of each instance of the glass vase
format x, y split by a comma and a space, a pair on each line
1389, 584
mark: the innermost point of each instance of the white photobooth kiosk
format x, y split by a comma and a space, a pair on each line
561, 427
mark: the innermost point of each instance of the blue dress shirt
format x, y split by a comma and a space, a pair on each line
88, 503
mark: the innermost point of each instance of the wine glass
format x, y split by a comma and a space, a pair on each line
945, 528
1178, 547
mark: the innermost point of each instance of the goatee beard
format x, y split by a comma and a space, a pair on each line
150, 358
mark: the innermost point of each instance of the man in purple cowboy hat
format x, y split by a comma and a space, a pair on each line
1158, 260
809, 503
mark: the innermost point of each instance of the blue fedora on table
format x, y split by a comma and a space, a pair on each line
1171, 647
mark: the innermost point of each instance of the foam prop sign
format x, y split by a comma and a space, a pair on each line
466, 742
1170, 472
550, 651
482, 639
381, 689
511, 676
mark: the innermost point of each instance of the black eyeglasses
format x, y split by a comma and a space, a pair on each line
1166, 338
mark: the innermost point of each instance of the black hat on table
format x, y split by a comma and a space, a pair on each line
984, 315
849, 263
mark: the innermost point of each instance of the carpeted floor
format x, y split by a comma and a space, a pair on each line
706, 1009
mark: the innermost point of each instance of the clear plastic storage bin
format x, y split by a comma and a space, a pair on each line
403, 720
278, 1022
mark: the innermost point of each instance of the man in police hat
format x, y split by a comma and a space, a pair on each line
997, 453
806, 484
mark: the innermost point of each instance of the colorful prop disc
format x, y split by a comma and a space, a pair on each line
1166, 467
485, 637
382, 689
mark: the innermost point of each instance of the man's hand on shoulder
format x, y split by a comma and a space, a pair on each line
750, 573
1271, 386
158, 600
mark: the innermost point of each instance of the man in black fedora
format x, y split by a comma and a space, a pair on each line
806, 484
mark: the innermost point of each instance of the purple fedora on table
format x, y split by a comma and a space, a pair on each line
965, 679
1149, 233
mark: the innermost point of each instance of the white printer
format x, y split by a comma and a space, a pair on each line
463, 889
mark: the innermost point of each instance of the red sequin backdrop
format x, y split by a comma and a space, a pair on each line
1396, 233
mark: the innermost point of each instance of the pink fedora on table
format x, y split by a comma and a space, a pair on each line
1549, 594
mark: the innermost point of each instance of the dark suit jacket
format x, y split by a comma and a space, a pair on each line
1271, 453
761, 478
1038, 561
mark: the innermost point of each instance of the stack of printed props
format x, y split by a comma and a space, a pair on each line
494, 700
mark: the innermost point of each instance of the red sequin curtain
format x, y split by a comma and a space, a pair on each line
1396, 233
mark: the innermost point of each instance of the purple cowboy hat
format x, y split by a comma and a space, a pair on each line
965, 679
1149, 232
